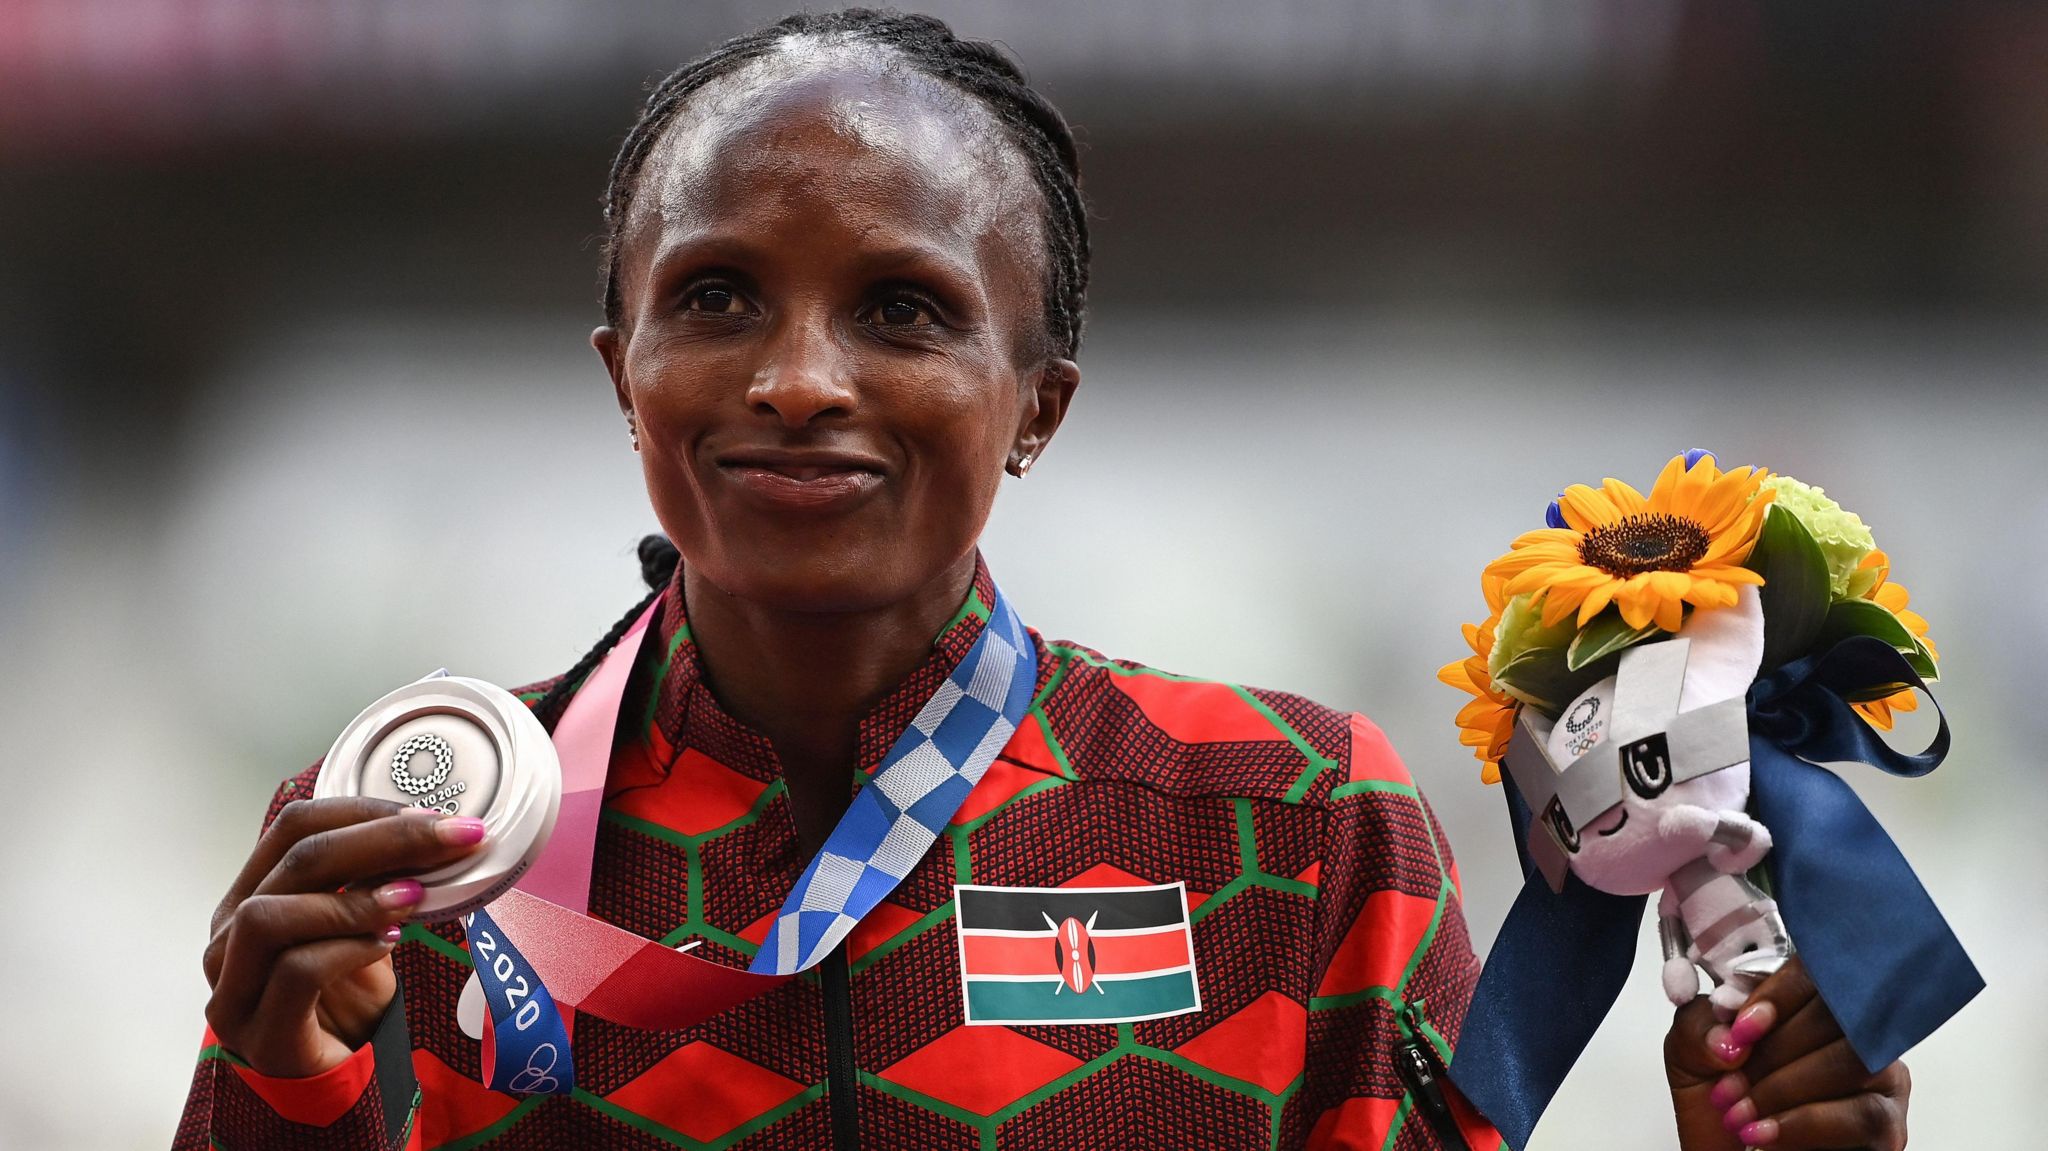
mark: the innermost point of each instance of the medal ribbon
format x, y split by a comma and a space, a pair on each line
539, 958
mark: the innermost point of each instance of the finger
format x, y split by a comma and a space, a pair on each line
1788, 989
295, 844
1781, 996
1872, 1117
283, 1029
299, 974
1687, 1061
295, 821
1811, 1028
1868, 1120
1698, 1095
1833, 1072
360, 852
265, 926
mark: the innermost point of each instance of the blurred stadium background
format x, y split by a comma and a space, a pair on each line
295, 404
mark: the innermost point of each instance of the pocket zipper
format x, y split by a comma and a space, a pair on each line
1416, 1060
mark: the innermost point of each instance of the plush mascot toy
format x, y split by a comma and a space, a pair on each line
1662, 676
1674, 817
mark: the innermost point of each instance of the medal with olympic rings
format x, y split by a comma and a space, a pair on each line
458, 746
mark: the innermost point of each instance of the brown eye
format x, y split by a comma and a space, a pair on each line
716, 299
902, 312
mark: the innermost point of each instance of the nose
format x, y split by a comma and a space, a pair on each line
806, 375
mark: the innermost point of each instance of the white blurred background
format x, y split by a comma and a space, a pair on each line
295, 404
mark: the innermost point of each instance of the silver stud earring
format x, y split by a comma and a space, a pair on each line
1021, 465
633, 430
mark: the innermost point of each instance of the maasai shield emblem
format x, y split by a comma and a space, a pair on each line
1075, 954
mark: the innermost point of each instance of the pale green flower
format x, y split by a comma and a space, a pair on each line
1841, 534
1864, 581
1521, 631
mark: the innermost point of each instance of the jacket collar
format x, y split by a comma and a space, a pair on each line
679, 710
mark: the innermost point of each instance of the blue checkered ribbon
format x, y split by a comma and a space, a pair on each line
909, 800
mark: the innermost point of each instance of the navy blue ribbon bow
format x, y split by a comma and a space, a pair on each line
1880, 954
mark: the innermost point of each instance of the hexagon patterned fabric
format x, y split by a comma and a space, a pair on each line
1321, 894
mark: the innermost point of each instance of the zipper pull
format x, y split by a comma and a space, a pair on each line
1423, 1073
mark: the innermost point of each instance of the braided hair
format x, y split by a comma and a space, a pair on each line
927, 46
658, 562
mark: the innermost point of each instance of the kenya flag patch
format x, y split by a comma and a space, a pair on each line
1075, 954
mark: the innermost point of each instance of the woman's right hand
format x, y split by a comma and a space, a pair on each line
300, 959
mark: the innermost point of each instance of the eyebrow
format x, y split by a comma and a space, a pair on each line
918, 256
710, 246
700, 246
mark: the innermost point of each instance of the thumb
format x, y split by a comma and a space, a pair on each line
1692, 1070
1689, 1058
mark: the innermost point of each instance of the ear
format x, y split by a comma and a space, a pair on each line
1042, 407
611, 348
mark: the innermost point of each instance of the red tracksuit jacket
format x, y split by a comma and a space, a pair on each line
1322, 897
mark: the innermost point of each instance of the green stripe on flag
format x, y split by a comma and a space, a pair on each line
1050, 1001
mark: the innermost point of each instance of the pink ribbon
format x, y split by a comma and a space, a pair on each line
589, 965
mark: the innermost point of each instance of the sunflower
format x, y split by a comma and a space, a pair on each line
1488, 721
1685, 544
1876, 568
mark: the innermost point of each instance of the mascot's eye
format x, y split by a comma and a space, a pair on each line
1646, 765
1560, 825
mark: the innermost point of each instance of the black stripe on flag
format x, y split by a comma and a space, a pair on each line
1115, 908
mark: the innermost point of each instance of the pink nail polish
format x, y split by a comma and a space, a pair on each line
1753, 1024
1761, 1133
392, 934
1728, 1091
1741, 1115
460, 831
399, 893
1723, 1046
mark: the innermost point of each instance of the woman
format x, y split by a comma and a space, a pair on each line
847, 263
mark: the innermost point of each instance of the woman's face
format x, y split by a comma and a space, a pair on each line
831, 286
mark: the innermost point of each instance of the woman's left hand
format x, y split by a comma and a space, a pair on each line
1781, 1076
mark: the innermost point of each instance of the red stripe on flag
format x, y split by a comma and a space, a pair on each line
1114, 954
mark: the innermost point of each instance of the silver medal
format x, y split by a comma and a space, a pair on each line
456, 744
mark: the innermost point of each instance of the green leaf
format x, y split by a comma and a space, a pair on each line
1922, 661
1861, 617
1543, 679
1606, 635
1796, 592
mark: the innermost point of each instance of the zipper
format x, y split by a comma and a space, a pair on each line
841, 1077
1423, 1073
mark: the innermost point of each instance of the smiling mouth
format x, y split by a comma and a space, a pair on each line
1616, 827
812, 482
801, 473
798, 463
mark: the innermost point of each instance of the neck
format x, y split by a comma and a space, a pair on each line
806, 679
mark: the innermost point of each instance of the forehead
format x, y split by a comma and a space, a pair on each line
849, 129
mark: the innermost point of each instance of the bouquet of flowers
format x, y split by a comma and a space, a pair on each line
1661, 676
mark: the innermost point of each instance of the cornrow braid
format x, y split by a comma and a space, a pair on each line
658, 562
975, 67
